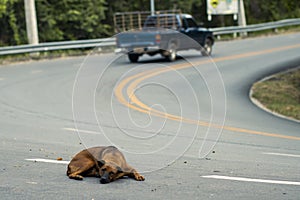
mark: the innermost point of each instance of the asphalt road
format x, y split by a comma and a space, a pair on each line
188, 126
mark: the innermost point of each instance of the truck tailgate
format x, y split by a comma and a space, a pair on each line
137, 39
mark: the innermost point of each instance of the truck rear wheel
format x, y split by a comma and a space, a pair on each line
207, 48
133, 57
171, 56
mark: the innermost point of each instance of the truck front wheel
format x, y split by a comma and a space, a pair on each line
133, 57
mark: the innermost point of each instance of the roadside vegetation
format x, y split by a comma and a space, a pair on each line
280, 93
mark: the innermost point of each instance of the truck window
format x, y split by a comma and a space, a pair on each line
190, 22
150, 22
162, 21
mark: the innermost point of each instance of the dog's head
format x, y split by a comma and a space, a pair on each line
109, 171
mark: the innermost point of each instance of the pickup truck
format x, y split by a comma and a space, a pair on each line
165, 34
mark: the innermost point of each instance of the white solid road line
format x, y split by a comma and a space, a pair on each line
48, 161
282, 154
251, 180
81, 131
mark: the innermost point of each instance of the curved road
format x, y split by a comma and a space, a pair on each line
188, 126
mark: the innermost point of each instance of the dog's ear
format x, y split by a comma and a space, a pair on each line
119, 170
101, 163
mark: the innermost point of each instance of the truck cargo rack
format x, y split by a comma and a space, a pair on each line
125, 21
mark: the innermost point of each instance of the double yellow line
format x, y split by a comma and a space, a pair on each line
132, 82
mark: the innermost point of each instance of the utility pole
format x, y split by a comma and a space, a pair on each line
31, 24
242, 16
152, 7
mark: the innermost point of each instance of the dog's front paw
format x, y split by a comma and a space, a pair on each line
76, 177
139, 177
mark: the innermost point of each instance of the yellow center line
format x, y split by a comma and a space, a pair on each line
133, 81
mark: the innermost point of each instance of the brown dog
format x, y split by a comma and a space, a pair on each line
108, 163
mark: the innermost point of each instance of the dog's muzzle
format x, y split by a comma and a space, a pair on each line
105, 178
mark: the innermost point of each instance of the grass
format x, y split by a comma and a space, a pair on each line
40, 56
280, 93
54, 54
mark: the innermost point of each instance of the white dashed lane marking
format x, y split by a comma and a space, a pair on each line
81, 131
48, 161
251, 180
282, 154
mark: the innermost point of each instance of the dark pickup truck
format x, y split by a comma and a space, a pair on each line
165, 34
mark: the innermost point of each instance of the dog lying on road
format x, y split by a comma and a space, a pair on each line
108, 163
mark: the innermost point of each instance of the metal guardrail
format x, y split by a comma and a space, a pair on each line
79, 44
52, 46
255, 27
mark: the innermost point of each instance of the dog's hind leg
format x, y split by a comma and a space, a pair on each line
76, 169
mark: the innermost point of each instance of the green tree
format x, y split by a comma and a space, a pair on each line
3, 5
269, 10
12, 24
71, 19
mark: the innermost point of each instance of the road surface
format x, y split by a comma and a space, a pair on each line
188, 126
